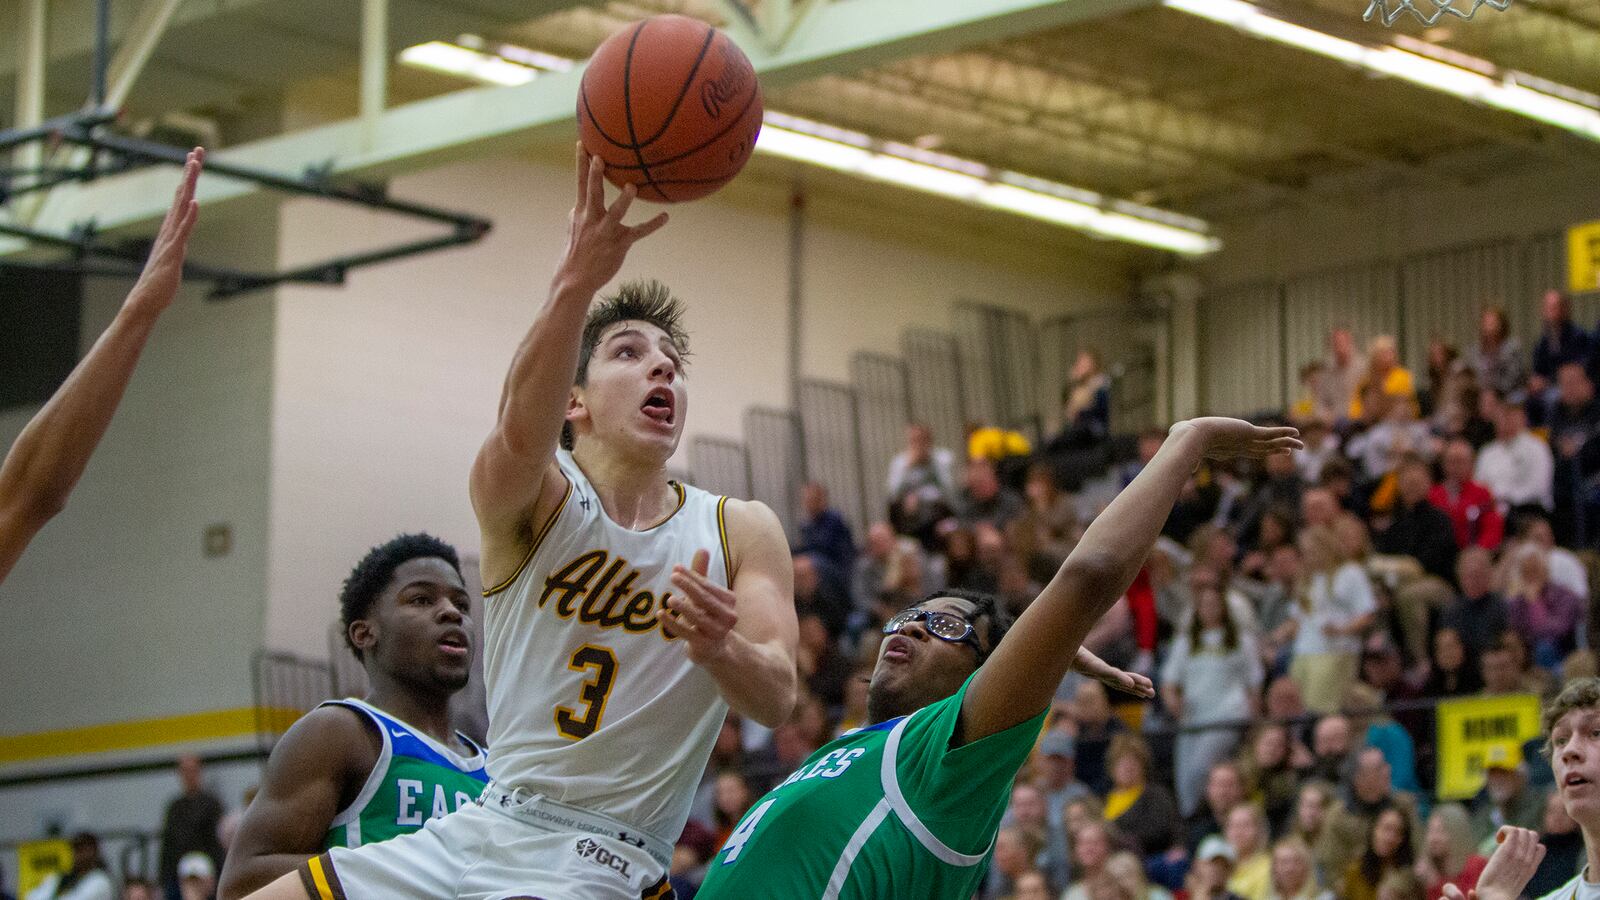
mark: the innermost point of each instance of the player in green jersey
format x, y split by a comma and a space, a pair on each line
908, 807
361, 771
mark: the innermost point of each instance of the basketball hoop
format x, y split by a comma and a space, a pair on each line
1427, 11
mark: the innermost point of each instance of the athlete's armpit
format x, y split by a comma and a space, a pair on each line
315, 769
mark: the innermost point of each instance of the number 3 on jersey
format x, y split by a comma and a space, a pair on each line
596, 689
743, 833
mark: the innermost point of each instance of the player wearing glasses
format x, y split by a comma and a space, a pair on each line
909, 806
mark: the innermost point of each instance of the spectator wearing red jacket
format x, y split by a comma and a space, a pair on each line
1469, 504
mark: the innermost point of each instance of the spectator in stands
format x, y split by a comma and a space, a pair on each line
1444, 363
870, 574
1369, 790
824, 669
1516, 466
1386, 376
734, 797
1276, 600
197, 877
1056, 779
190, 824
1212, 675
1387, 848
1213, 869
727, 755
1564, 851
921, 484
1270, 767
693, 851
1560, 342
1225, 789
1085, 404
1480, 428
1332, 741
1477, 614
1141, 809
1448, 855
1093, 727
1280, 488
1506, 799
1364, 705
1533, 679
1336, 606
1246, 832
1015, 848
132, 889
1313, 403
1032, 886
1546, 613
1129, 875
1383, 447
1417, 528
823, 531
1049, 528
983, 499
1457, 412
1401, 885
1091, 850
1572, 422
1454, 672
816, 591
1029, 810
1473, 514
85, 880
1294, 875
1345, 369
1313, 811
1322, 447
1565, 569
1318, 506
1497, 358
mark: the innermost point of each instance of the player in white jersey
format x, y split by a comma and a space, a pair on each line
625, 612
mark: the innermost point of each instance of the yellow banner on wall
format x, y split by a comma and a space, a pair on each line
36, 860
1583, 257
1476, 731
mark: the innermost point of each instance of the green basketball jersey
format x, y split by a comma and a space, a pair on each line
415, 779
888, 811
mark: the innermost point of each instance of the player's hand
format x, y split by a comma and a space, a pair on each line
1226, 438
598, 241
1509, 869
163, 271
1091, 666
702, 613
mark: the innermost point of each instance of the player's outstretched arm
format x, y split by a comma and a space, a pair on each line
518, 457
1021, 675
745, 637
300, 795
1512, 866
50, 454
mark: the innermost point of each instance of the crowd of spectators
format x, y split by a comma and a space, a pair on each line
1300, 616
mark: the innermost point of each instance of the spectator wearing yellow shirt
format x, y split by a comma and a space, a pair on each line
1385, 373
1246, 832
994, 443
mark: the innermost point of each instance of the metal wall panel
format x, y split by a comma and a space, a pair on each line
1545, 268
882, 410
777, 461
832, 446
1241, 351
1361, 298
972, 327
720, 466
934, 384
1446, 291
1000, 358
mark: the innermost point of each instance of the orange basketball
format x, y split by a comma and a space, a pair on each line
670, 105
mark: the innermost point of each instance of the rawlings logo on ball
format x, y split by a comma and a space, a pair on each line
736, 73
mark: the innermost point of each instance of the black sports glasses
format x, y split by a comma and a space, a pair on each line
947, 627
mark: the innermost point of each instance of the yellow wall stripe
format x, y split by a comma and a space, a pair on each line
141, 733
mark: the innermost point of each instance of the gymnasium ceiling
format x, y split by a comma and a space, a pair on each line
1148, 104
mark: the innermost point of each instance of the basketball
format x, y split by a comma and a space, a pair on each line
672, 106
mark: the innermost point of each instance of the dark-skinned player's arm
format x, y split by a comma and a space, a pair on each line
50, 454
744, 637
317, 765
1021, 675
517, 460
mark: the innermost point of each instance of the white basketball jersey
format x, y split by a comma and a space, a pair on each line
589, 702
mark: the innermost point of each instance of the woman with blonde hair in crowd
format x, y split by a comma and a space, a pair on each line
1128, 872
1212, 675
1294, 872
1335, 605
1447, 852
1246, 832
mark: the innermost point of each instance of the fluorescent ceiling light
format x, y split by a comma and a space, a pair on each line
1466, 77
864, 156
453, 59
980, 185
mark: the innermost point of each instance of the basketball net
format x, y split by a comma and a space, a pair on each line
1427, 11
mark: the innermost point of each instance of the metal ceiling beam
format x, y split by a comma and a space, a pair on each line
842, 36
138, 42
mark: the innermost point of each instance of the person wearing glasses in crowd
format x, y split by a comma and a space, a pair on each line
909, 806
